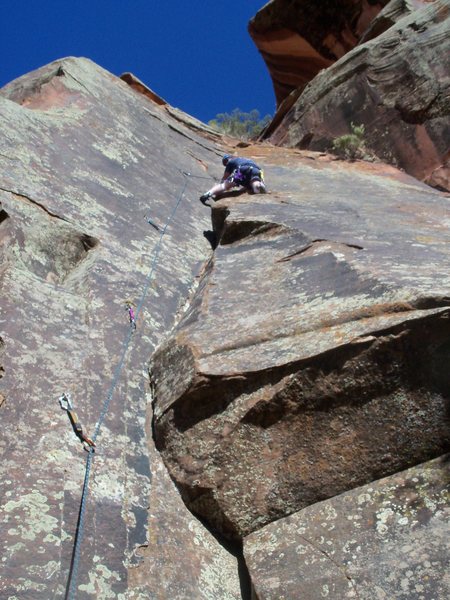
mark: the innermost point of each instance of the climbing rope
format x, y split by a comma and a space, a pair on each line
209, 177
75, 562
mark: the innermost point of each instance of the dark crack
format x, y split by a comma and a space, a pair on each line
36, 203
184, 134
235, 231
190, 125
339, 566
62, 71
154, 115
313, 243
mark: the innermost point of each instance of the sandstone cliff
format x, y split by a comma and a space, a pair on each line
304, 355
298, 39
389, 74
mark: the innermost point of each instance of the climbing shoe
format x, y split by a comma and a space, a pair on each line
205, 197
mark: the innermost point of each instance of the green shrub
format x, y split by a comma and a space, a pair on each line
243, 125
351, 145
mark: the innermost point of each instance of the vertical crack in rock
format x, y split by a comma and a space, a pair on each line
341, 568
234, 548
81, 84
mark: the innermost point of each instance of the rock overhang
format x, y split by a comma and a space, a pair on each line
394, 85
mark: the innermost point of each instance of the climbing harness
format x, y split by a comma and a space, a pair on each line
65, 402
75, 562
237, 177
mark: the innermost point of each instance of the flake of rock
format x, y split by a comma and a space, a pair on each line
140, 87
388, 539
318, 333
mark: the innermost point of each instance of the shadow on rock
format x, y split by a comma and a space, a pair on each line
211, 237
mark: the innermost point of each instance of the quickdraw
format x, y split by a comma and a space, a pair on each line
153, 224
65, 402
131, 316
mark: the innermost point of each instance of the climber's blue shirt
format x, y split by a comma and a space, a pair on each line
236, 162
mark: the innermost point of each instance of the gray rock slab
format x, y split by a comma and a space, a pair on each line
382, 541
85, 162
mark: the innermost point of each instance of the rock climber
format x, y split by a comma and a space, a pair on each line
239, 172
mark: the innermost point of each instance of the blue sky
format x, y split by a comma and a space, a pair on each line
197, 54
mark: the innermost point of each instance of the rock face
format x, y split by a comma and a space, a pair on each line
395, 84
313, 355
180, 558
307, 354
385, 540
391, 13
298, 39
84, 162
